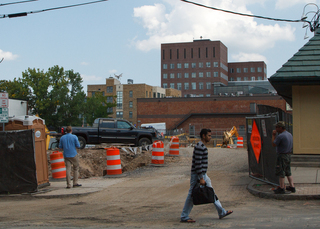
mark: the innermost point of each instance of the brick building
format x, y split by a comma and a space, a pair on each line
215, 112
197, 67
126, 95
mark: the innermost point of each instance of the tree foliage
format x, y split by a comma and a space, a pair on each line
57, 96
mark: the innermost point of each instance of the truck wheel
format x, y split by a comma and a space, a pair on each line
82, 142
144, 142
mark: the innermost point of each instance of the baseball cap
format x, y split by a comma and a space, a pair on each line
280, 124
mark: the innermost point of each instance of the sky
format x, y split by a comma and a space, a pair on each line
116, 37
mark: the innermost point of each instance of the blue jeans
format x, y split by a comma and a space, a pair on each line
189, 203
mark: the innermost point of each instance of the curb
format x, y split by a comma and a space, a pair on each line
268, 195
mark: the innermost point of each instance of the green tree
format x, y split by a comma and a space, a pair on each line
16, 89
97, 107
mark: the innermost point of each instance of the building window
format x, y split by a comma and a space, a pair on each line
200, 74
146, 94
185, 53
259, 77
208, 85
231, 79
238, 78
193, 65
170, 54
154, 95
172, 85
171, 66
177, 53
253, 78
163, 54
178, 65
208, 64
109, 99
179, 75
191, 52
193, 75
179, 86
200, 95
215, 74
171, 75
110, 109
119, 114
130, 104
109, 89
238, 70
186, 86
186, 65
93, 93
165, 66
130, 94
200, 85
199, 52
193, 86
208, 95
206, 52
119, 99
186, 75
164, 86
158, 95
200, 64
252, 69
165, 75
208, 74
215, 64
245, 78
259, 69
231, 70
214, 52
245, 70
130, 114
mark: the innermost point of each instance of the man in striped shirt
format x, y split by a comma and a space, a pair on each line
199, 174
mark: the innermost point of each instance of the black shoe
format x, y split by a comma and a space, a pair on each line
77, 185
68, 187
279, 191
291, 189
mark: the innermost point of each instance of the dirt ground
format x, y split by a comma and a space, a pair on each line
93, 160
153, 197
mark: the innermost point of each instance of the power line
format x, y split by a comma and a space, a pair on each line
242, 14
12, 3
44, 10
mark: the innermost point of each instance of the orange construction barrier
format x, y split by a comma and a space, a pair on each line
174, 147
113, 161
58, 167
157, 153
240, 142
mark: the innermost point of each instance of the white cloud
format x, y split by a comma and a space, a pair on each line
84, 63
7, 55
182, 22
283, 4
243, 57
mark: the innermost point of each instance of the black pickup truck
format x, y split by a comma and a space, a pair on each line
108, 130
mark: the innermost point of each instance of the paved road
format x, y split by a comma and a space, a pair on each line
153, 197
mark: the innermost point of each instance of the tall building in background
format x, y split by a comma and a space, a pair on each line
197, 67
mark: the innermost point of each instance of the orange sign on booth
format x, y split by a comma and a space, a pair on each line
256, 141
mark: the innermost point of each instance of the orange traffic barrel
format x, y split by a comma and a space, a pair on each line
157, 153
113, 161
240, 142
58, 167
174, 146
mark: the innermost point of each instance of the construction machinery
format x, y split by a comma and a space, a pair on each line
227, 136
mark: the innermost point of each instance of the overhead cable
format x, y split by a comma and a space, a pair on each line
241, 14
44, 10
12, 3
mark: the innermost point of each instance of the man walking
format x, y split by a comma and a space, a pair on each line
69, 142
199, 174
283, 143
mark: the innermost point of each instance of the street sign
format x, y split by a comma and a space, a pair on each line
4, 115
4, 99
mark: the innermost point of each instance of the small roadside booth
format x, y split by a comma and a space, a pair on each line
38, 138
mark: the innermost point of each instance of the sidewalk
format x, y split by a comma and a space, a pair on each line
306, 180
